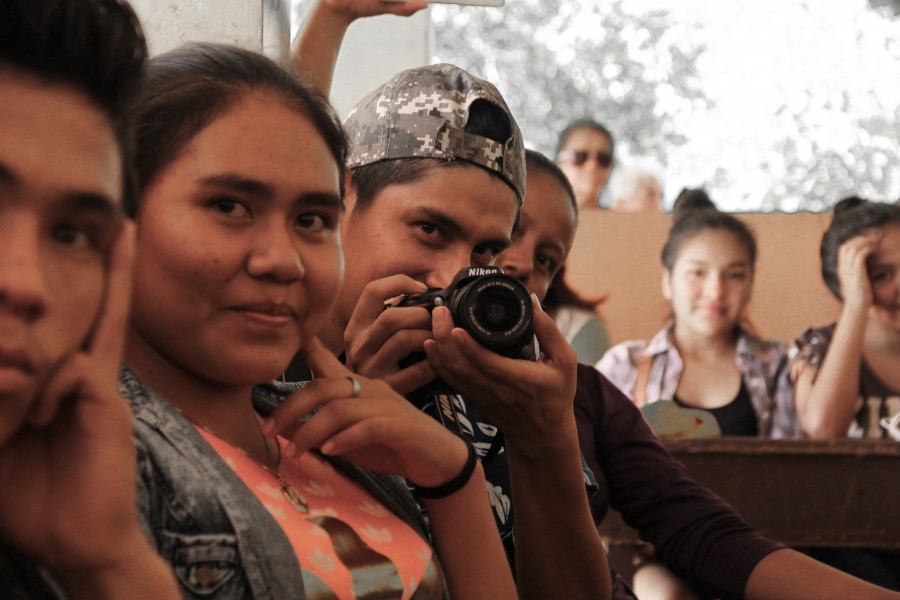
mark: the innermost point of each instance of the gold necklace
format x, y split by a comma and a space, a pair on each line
290, 493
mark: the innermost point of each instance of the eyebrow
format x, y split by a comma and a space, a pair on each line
239, 183
92, 202
254, 187
742, 263
99, 204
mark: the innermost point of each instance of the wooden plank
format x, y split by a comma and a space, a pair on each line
841, 493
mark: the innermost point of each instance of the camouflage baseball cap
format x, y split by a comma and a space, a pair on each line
422, 112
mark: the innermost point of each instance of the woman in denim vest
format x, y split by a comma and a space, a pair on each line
273, 491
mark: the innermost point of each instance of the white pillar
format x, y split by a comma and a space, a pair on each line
375, 48
261, 25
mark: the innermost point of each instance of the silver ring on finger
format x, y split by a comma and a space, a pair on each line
357, 387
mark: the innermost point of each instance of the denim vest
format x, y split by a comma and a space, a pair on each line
219, 539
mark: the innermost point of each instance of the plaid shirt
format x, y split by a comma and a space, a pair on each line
763, 365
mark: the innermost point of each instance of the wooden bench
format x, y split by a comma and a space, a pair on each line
803, 493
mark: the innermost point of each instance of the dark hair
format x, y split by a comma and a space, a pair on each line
692, 198
539, 162
852, 216
560, 294
189, 88
95, 46
584, 124
692, 218
485, 119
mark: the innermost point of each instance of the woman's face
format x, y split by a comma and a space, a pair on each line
239, 256
884, 272
586, 159
60, 191
544, 237
709, 284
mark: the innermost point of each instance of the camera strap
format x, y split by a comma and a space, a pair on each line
446, 412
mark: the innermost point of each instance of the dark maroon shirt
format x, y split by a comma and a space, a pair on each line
694, 532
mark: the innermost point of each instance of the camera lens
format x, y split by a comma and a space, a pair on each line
497, 309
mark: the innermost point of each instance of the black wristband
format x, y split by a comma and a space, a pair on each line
455, 484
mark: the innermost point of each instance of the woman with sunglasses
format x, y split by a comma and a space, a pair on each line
585, 154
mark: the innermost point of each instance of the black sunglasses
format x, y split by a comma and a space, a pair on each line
579, 157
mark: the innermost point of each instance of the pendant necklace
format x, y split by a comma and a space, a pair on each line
290, 493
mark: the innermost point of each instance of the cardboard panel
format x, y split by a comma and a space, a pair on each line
618, 254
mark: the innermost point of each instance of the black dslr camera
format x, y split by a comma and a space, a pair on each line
493, 307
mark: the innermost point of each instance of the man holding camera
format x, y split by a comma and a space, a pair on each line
437, 180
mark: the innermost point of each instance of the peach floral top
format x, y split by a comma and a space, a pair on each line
348, 544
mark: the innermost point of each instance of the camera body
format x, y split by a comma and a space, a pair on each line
494, 308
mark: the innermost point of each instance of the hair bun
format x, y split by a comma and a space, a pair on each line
848, 203
690, 201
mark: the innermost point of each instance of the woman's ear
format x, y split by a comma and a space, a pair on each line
666, 284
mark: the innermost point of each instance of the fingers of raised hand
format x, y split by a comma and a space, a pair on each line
62, 384
367, 8
374, 295
75, 380
378, 360
325, 408
322, 362
107, 339
553, 344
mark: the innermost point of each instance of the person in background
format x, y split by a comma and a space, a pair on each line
272, 491
707, 357
585, 152
637, 188
845, 376
575, 316
68, 517
695, 534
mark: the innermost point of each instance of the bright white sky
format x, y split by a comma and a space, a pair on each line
763, 53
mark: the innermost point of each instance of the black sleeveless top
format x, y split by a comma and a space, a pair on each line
735, 418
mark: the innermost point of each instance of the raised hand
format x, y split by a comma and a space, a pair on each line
67, 479
856, 288
376, 340
314, 53
378, 429
526, 400
355, 9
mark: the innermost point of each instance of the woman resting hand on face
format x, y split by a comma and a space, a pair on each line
273, 491
845, 374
